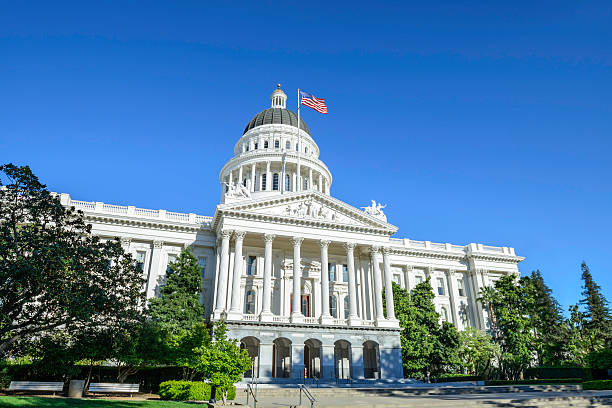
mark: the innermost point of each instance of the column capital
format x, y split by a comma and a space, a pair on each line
429, 270
349, 246
126, 241
409, 268
385, 250
324, 243
296, 241
450, 273
374, 249
226, 233
269, 237
239, 235
158, 244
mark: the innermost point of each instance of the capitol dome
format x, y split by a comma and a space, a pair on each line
278, 116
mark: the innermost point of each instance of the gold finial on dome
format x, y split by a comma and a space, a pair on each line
278, 86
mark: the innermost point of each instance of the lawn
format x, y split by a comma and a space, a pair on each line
85, 403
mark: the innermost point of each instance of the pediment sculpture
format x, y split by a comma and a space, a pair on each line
314, 210
375, 210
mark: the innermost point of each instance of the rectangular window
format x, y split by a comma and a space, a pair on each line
252, 265
344, 273
418, 279
397, 279
332, 272
287, 182
171, 260
140, 260
440, 286
263, 182
460, 287
202, 264
275, 182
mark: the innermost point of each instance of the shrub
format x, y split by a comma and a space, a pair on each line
457, 377
597, 385
541, 381
191, 391
557, 372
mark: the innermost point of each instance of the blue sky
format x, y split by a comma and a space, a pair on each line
483, 122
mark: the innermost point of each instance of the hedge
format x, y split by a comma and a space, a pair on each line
191, 391
535, 382
597, 385
457, 377
557, 372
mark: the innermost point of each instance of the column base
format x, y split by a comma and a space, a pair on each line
327, 320
297, 318
354, 321
219, 315
387, 323
233, 315
266, 317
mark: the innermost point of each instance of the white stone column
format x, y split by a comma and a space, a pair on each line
297, 360
320, 185
325, 316
379, 315
240, 175
453, 296
310, 183
296, 313
357, 361
353, 319
235, 312
155, 269
265, 359
222, 277
388, 285
268, 177
253, 177
266, 314
327, 361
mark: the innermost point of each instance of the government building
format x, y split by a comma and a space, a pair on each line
297, 274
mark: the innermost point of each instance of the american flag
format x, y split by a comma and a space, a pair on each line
309, 100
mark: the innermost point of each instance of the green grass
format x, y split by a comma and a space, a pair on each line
36, 402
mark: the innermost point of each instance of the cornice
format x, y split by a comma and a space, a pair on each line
423, 253
109, 219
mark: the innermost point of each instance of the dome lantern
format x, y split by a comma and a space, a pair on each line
278, 98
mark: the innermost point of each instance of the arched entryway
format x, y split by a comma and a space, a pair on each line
371, 360
312, 358
342, 359
251, 344
281, 358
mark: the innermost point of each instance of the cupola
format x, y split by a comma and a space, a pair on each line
278, 98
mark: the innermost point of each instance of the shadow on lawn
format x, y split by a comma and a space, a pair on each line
40, 402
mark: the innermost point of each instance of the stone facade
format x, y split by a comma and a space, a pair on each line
277, 220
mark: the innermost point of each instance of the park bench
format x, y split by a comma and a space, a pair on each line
116, 388
36, 386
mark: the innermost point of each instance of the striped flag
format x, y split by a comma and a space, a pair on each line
309, 100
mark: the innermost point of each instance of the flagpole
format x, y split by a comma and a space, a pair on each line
299, 174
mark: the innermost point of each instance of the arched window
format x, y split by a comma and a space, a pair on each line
346, 307
263, 181
288, 145
297, 148
249, 302
306, 150
252, 265
276, 144
287, 182
332, 306
256, 145
275, 182
265, 144
246, 149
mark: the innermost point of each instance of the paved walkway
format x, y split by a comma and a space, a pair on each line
526, 399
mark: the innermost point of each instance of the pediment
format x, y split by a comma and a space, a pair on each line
312, 206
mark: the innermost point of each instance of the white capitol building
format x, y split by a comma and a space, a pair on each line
276, 221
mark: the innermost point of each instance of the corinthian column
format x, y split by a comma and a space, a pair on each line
388, 285
266, 314
222, 276
377, 284
350, 264
325, 316
235, 312
296, 313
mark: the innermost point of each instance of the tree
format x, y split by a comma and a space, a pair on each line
578, 340
549, 332
477, 351
489, 297
222, 362
597, 312
179, 306
53, 272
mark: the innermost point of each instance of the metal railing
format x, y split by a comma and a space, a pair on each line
304, 389
249, 391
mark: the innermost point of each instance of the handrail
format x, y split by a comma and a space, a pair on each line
304, 389
249, 390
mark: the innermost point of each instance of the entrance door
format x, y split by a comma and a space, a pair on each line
307, 368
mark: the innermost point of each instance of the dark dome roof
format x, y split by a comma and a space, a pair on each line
275, 116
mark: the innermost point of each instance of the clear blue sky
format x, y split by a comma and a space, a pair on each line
483, 122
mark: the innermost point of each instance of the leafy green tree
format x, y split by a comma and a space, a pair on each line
578, 340
179, 306
477, 351
54, 273
597, 312
222, 362
549, 332
488, 296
